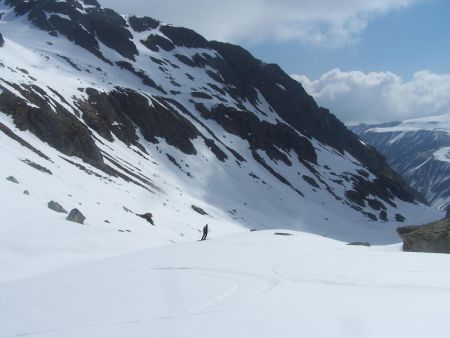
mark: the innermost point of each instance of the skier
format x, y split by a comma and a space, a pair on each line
205, 232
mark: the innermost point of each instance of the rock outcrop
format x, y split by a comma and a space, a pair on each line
148, 217
76, 216
433, 237
12, 179
55, 206
359, 244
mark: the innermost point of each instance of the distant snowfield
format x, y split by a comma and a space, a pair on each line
419, 149
439, 122
245, 285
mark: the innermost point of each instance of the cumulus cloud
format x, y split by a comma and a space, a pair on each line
380, 96
320, 22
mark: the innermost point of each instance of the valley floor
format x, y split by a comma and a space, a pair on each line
253, 284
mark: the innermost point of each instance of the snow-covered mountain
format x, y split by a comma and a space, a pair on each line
123, 116
120, 117
419, 150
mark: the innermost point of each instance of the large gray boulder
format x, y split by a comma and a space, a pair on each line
12, 179
433, 237
55, 206
76, 216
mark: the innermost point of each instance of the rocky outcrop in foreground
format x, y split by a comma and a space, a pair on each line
433, 237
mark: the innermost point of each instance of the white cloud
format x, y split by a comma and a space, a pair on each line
380, 96
321, 22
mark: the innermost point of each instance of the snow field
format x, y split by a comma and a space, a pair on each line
244, 285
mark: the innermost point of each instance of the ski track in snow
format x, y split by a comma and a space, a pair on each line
231, 283
251, 283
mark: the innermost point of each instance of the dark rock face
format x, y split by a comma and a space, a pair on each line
142, 24
433, 237
129, 107
447, 215
61, 130
184, 37
84, 26
76, 216
262, 135
2, 41
55, 206
140, 74
154, 42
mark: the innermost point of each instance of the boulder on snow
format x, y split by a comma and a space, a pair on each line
283, 234
12, 179
55, 206
76, 216
433, 237
148, 217
26, 192
400, 218
360, 244
199, 210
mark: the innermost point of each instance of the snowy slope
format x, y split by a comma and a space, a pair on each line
118, 125
123, 116
419, 150
251, 285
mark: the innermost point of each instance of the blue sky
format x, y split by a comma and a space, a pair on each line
367, 61
403, 41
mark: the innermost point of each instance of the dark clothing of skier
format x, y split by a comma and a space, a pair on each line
205, 232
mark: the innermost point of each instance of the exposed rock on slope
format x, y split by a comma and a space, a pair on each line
76, 216
163, 109
433, 237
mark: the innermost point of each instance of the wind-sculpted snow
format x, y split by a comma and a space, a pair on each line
131, 117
